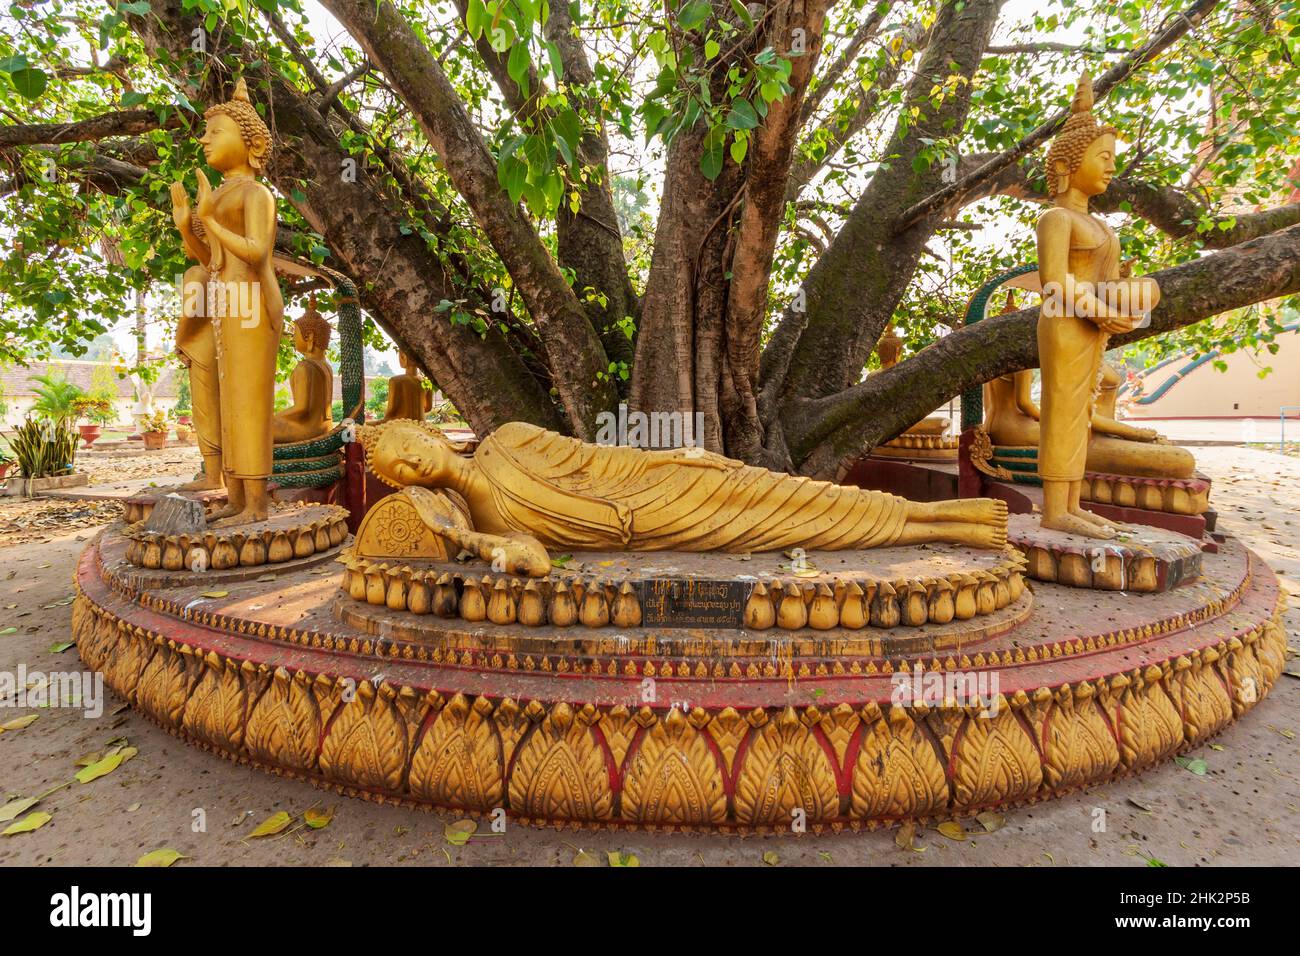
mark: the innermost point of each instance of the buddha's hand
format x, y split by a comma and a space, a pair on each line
180, 207
513, 553
1148, 434
1116, 324
205, 206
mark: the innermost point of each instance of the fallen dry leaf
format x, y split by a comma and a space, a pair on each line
100, 767
33, 821
272, 825
164, 857
459, 832
13, 808
316, 819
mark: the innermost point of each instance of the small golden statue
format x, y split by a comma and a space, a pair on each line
236, 232
311, 383
1085, 300
526, 489
407, 396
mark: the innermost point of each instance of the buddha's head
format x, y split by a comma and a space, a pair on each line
311, 333
235, 135
405, 452
408, 364
1082, 156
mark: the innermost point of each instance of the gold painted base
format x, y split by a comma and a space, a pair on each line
918, 448
989, 582
1189, 496
1141, 559
685, 768
568, 748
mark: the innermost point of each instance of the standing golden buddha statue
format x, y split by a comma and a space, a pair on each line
407, 396
244, 300
311, 383
1085, 300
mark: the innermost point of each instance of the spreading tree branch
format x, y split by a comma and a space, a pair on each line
575, 355
116, 123
953, 194
839, 427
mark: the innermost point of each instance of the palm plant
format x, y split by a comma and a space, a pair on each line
55, 396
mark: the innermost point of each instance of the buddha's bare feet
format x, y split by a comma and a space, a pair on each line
247, 516
1072, 524
225, 511
1096, 519
203, 484
976, 510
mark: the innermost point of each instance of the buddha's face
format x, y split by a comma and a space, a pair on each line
410, 455
223, 143
1097, 167
300, 341
407, 363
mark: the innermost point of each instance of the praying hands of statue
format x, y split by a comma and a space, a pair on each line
180, 207
205, 208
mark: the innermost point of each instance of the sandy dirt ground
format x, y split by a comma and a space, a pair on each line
1243, 810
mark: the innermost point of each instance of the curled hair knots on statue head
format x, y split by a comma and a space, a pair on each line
313, 326
1080, 131
256, 135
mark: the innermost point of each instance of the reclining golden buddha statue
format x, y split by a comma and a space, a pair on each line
526, 489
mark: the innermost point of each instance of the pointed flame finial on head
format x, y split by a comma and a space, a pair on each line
1083, 98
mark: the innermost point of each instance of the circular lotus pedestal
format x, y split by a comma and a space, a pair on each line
682, 720
289, 532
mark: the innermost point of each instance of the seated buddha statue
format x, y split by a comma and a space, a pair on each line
311, 383
526, 489
1012, 418
407, 396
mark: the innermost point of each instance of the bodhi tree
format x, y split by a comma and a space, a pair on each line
696, 206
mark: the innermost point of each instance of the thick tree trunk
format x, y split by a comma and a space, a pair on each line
678, 341
795, 31
575, 356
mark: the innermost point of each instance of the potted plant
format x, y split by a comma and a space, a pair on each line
97, 412
153, 427
45, 448
5, 462
55, 396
